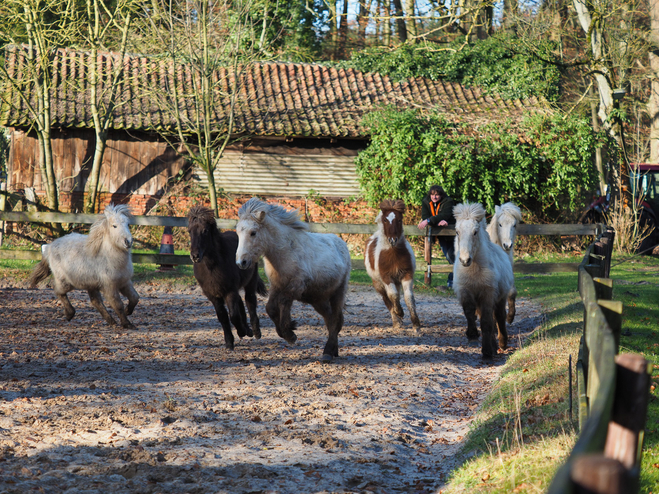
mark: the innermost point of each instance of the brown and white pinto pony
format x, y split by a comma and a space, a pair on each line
390, 262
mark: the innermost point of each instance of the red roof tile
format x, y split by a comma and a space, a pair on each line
275, 98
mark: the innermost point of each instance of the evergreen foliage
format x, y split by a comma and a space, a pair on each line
545, 164
499, 64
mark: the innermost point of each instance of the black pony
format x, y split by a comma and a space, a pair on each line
214, 256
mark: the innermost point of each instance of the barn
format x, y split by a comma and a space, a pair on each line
297, 125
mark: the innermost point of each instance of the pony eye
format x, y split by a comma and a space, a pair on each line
253, 233
500, 225
475, 233
114, 226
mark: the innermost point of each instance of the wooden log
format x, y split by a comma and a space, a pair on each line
603, 288
596, 474
582, 398
522, 268
624, 438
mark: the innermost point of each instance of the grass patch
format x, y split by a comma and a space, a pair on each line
523, 431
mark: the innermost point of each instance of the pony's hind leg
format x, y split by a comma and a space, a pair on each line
97, 302
223, 317
332, 312
129, 292
250, 302
512, 296
117, 305
61, 289
408, 292
500, 317
237, 314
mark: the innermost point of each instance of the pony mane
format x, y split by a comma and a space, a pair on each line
511, 209
274, 211
201, 215
389, 205
469, 211
99, 229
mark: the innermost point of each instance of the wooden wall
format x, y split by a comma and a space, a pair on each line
136, 163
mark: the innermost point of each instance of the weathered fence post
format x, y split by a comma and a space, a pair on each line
3, 204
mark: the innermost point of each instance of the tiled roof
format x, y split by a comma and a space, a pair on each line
274, 99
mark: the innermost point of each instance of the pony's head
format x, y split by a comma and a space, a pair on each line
201, 227
112, 230
390, 220
259, 225
469, 231
505, 220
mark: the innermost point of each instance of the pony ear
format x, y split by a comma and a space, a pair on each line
497, 210
259, 216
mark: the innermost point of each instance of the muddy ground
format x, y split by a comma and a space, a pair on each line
86, 408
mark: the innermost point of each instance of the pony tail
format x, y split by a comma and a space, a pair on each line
260, 287
40, 273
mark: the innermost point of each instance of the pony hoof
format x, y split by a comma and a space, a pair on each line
129, 326
257, 333
510, 319
472, 336
326, 358
291, 338
416, 329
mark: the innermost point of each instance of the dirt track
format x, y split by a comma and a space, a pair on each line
85, 408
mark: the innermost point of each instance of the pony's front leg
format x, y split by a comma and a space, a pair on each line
469, 308
223, 317
97, 302
129, 292
512, 296
332, 312
408, 292
237, 314
117, 305
500, 317
250, 302
488, 328
279, 310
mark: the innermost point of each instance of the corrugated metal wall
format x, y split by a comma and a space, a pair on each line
284, 174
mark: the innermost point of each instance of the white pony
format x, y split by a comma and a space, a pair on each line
390, 262
313, 268
100, 263
503, 230
482, 277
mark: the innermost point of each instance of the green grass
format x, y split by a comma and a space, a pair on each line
523, 431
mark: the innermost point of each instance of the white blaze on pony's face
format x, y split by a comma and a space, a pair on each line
391, 219
250, 244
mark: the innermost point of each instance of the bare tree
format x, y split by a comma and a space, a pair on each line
100, 21
209, 45
37, 29
653, 104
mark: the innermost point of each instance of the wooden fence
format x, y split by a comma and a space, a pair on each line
181, 222
612, 391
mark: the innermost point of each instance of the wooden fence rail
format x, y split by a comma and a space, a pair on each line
347, 228
612, 391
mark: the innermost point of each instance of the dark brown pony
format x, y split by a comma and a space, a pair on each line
214, 256
390, 262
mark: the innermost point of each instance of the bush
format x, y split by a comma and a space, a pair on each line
410, 150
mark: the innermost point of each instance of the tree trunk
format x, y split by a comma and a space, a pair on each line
362, 22
411, 22
400, 21
333, 31
653, 103
343, 32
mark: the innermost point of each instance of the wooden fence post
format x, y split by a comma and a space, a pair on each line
596, 474
3, 204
